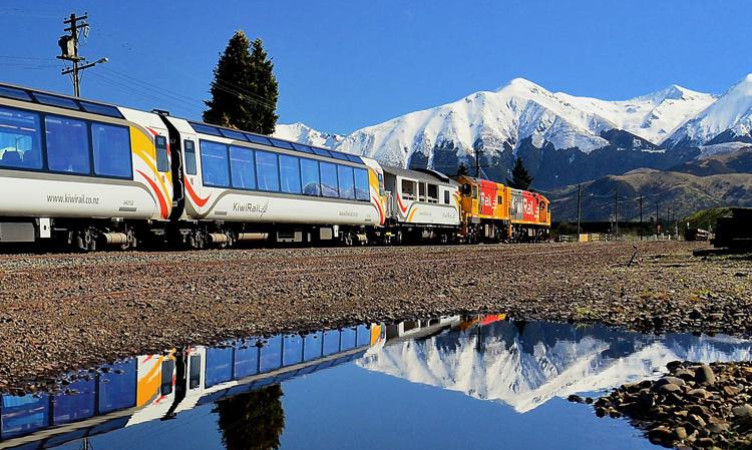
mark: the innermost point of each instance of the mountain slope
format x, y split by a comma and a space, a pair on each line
304, 134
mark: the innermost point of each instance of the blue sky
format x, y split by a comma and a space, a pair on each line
344, 64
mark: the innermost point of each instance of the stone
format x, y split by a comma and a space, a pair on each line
731, 391
685, 374
700, 393
670, 380
575, 399
742, 411
680, 433
697, 420
667, 388
705, 442
660, 434
705, 375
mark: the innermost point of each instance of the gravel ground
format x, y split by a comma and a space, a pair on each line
63, 311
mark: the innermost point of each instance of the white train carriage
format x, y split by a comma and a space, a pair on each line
245, 186
421, 204
84, 171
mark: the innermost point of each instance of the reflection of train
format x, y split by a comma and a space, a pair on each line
153, 387
88, 174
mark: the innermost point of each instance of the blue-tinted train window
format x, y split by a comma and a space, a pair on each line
242, 168
363, 335
218, 366
238, 136
246, 359
348, 339
313, 346
267, 172
302, 147
321, 152
23, 414
346, 182
354, 158
258, 139
163, 161
281, 144
101, 109
72, 407
331, 342
293, 350
329, 184
339, 155
309, 171
67, 145
205, 129
190, 157
54, 100
289, 171
271, 354
20, 139
214, 165
362, 189
117, 387
18, 94
112, 150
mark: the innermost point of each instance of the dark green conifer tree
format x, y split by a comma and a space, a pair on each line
521, 178
462, 170
244, 91
252, 421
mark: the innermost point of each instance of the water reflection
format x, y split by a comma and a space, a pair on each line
252, 421
525, 364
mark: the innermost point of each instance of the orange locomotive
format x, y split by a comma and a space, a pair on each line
493, 212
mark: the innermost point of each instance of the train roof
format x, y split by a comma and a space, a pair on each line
41, 97
427, 175
255, 138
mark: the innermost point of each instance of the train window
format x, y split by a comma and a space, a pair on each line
421, 192
499, 200
309, 171
408, 190
54, 100
329, 185
475, 192
112, 150
194, 376
289, 171
258, 139
267, 171
104, 110
163, 161
205, 129
238, 136
340, 156
242, 168
433, 193
446, 197
321, 152
67, 145
346, 182
362, 189
190, 157
214, 166
168, 367
20, 139
354, 158
281, 144
302, 148
17, 94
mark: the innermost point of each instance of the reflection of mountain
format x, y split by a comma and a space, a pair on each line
525, 365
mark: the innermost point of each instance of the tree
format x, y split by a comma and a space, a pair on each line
244, 91
252, 421
462, 170
521, 178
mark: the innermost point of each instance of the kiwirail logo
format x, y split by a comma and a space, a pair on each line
73, 199
250, 208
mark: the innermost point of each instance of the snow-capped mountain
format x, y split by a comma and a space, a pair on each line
728, 119
654, 116
525, 366
304, 134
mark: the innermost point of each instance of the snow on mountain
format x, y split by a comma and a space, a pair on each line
498, 119
652, 117
729, 119
300, 132
526, 369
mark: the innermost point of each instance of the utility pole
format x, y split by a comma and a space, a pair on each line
477, 162
616, 210
68, 44
579, 210
640, 209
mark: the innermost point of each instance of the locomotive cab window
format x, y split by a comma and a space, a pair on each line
475, 192
433, 193
163, 161
20, 139
446, 197
112, 150
409, 189
499, 200
190, 157
67, 145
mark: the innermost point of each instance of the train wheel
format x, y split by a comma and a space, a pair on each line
347, 239
197, 240
86, 240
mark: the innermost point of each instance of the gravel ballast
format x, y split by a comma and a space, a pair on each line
65, 311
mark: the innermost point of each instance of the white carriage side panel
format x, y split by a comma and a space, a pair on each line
412, 210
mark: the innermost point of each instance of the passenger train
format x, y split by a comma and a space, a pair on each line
89, 174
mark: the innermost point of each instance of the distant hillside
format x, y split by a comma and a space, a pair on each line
684, 193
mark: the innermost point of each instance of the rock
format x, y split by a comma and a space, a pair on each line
680, 433
701, 393
697, 420
685, 374
705, 375
705, 442
670, 380
667, 388
660, 435
575, 399
742, 411
731, 391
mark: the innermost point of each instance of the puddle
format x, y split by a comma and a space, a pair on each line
479, 381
